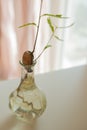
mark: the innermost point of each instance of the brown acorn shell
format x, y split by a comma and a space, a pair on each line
27, 58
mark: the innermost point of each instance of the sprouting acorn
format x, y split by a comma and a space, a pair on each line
27, 58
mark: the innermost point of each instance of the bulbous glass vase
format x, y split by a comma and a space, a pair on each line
27, 101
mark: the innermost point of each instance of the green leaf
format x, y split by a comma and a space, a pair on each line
66, 26
47, 46
58, 38
50, 24
54, 15
27, 24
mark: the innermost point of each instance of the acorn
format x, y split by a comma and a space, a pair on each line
27, 58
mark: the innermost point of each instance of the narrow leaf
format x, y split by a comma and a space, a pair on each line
47, 46
50, 24
58, 38
66, 26
27, 24
54, 15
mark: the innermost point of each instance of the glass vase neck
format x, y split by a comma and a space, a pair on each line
27, 78
27, 72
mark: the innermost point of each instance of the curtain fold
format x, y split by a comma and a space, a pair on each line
14, 41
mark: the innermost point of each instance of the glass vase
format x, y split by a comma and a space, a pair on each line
28, 102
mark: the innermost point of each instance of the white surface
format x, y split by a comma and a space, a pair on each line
66, 92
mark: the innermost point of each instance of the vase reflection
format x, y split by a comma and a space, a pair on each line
12, 123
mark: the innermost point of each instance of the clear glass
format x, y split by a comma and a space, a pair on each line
27, 101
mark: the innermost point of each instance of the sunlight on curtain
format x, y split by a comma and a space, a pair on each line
14, 41
75, 45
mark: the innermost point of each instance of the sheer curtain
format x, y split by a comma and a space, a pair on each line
75, 45
14, 41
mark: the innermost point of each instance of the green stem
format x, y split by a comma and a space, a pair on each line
38, 27
47, 44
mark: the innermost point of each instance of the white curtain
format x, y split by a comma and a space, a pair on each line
14, 41
75, 45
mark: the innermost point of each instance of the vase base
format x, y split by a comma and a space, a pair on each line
26, 117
